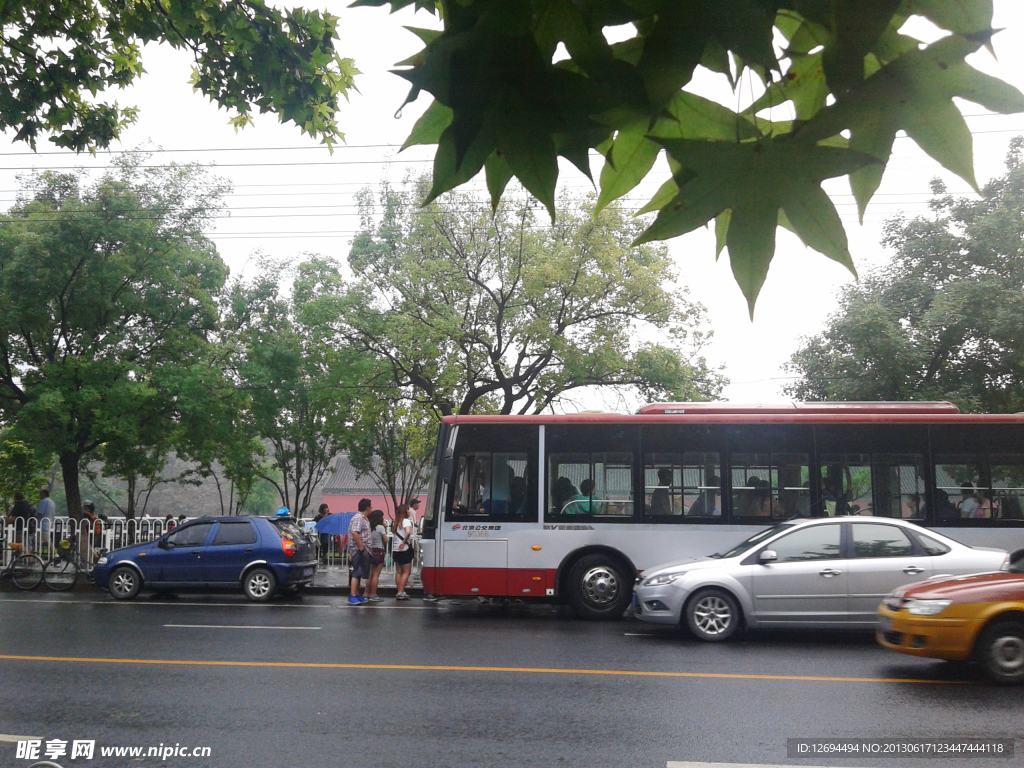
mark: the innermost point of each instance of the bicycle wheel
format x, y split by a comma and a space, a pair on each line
27, 571
60, 574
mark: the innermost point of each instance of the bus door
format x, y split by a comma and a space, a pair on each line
489, 501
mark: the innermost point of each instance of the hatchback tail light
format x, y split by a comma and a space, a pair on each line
288, 546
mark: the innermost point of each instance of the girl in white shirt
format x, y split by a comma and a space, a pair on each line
402, 550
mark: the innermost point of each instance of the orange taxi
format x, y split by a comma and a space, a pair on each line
979, 617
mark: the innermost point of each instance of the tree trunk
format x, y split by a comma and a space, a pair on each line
72, 491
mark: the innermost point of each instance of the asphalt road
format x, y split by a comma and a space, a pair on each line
305, 682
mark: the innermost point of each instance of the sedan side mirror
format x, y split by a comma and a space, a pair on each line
768, 556
164, 544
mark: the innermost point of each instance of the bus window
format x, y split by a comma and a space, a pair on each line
961, 487
773, 485
899, 485
663, 484
682, 485
846, 484
702, 485
1008, 487
596, 486
490, 486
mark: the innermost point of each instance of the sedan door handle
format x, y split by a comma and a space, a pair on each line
913, 569
248, 549
828, 573
196, 551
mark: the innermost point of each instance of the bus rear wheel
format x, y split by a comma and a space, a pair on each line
599, 588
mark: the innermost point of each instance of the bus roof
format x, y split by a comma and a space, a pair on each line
787, 413
942, 406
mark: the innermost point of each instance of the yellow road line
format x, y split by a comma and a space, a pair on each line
453, 668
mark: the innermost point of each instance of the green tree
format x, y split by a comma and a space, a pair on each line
297, 394
22, 468
248, 55
107, 293
942, 319
842, 68
470, 311
391, 441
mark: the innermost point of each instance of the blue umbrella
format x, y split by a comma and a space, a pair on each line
336, 524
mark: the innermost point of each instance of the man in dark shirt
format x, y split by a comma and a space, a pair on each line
21, 509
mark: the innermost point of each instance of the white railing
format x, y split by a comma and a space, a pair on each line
95, 538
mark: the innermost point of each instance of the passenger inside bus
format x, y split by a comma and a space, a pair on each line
707, 502
583, 503
661, 502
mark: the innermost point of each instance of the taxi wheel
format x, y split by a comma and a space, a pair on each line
599, 588
1000, 651
259, 585
712, 615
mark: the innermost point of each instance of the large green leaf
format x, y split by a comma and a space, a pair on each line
915, 93
755, 180
430, 126
964, 17
632, 155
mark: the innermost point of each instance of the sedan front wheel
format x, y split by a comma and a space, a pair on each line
713, 615
1001, 652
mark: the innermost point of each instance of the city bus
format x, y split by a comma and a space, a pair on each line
572, 508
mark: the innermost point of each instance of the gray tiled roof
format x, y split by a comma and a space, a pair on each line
342, 479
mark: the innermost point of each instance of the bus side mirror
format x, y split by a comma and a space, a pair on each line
767, 556
448, 466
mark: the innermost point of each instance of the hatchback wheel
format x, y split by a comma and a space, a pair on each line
1000, 650
124, 583
713, 615
259, 585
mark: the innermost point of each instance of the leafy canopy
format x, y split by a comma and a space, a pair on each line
55, 58
474, 312
107, 295
941, 320
844, 76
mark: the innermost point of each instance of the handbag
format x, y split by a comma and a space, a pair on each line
377, 556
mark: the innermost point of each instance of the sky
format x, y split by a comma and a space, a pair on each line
290, 196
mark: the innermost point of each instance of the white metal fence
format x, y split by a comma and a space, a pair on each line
94, 538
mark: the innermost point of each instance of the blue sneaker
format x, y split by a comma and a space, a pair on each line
362, 600
355, 600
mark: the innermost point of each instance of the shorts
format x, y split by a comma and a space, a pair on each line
402, 558
359, 564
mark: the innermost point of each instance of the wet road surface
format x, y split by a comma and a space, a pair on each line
314, 682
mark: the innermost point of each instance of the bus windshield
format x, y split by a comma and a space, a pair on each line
756, 539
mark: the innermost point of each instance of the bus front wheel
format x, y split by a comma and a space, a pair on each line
599, 588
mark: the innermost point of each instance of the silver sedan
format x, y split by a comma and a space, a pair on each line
827, 572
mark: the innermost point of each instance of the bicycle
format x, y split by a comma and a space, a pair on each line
25, 570
61, 572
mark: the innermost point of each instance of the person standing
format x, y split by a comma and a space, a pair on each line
401, 550
325, 538
46, 510
414, 512
378, 551
22, 510
359, 551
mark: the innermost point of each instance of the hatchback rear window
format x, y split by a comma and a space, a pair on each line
288, 528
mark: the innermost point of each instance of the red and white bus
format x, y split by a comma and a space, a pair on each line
573, 508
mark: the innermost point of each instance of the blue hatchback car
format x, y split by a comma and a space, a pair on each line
260, 555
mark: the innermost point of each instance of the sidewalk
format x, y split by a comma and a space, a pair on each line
333, 580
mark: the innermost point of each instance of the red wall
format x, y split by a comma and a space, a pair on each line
339, 503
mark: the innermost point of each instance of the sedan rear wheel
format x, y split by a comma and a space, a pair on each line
1001, 652
713, 615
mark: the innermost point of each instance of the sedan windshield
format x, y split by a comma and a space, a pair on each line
756, 539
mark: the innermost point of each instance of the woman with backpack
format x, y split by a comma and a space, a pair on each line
402, 550
378, 551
